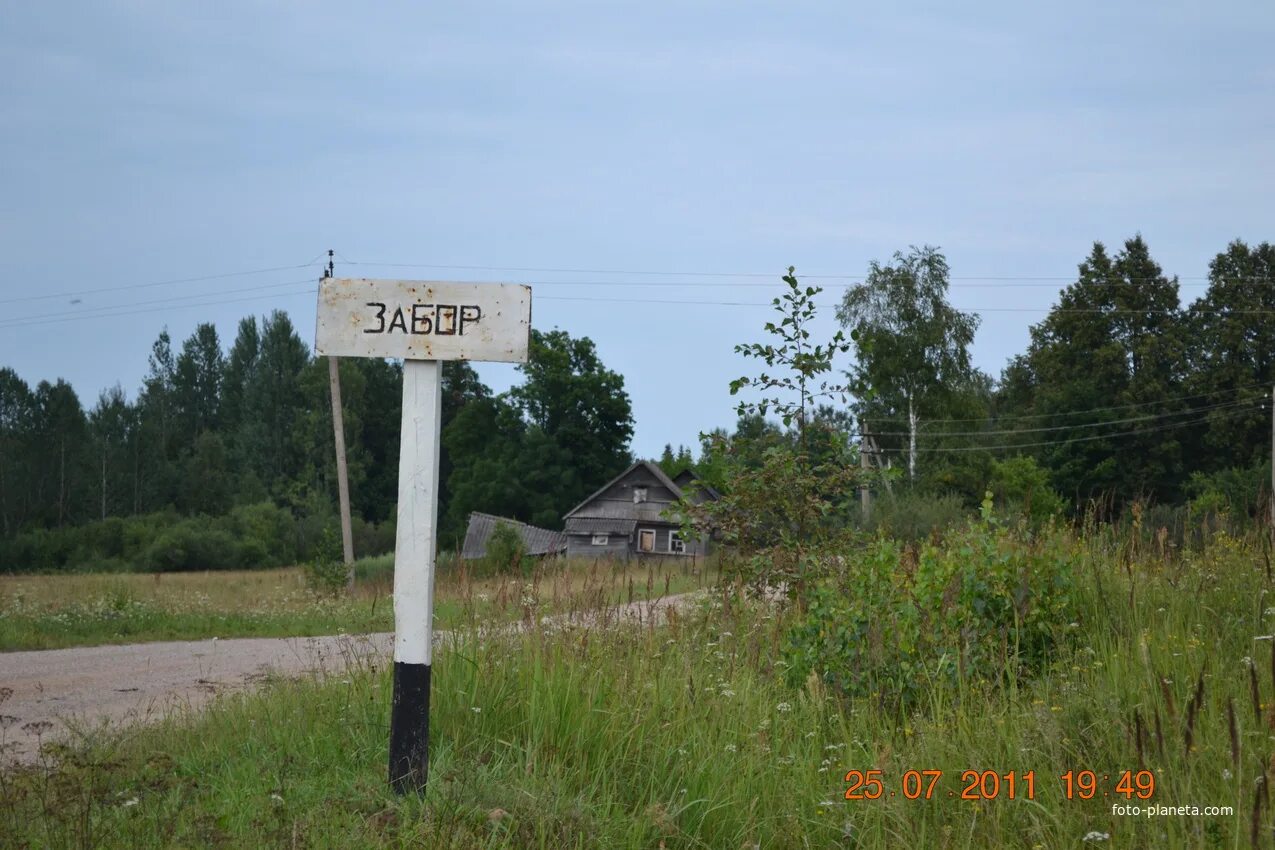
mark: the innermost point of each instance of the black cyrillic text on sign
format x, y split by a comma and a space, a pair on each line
421, 319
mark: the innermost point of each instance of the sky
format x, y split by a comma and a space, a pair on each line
618, 157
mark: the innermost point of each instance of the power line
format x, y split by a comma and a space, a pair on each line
98, 311
309, 290
770, 284
930, 435
27, 320
1065, 310
668, 273
946, 450
1210, 394
172, 282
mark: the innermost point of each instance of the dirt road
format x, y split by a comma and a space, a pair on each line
56, 690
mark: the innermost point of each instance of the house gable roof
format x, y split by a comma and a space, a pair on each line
652, 468
686, 479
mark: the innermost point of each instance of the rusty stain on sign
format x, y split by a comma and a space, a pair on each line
423, 320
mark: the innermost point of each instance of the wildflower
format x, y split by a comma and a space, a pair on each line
1226, 774
730, 748
476, 709
727, 692
1096, 836
276, 798
132, 801
783, 707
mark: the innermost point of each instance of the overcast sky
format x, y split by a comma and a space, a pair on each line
147, 141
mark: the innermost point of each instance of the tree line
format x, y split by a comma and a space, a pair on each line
1124, 393
244, 434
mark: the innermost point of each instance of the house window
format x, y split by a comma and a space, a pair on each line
646, 540
676, 544
639, 494
601, 539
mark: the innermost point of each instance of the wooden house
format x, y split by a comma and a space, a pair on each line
626, 518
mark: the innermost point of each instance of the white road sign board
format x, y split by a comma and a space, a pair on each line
423, 320
424, 323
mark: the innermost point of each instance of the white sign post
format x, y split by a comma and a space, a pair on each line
424, 323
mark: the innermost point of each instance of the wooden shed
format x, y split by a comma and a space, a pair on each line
537, 541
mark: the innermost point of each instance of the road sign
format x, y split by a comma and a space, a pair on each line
425, 323
423, 320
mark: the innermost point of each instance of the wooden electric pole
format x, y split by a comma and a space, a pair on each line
865, 495
342, 474
1271, 497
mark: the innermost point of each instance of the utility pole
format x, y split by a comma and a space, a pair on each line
342, 475
1271, 497
865, 495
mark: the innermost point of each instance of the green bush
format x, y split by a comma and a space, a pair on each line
192, 545
912, 516
983, 604
372, 538
505, 551
268, 528
375, 568
325, 572
1021, 487
1238, 492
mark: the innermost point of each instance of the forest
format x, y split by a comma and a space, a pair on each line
223, 457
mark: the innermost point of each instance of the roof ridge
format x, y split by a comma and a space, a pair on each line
651, 467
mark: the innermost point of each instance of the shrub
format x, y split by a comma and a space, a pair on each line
193, 544
912, 516
372, 538
984, 603
1021, 486
325, 571
375, 569
505, 551
266, 526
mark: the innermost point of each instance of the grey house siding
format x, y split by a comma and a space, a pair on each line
581, 546
615, 510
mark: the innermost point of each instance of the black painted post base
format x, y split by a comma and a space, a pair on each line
409, 728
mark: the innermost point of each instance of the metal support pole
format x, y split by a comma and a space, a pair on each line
414, 573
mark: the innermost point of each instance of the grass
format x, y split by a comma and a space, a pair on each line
689, 736
55, 611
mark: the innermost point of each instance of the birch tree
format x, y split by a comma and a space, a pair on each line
911, 346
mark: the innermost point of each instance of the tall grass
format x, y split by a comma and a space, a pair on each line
46, 612
687, 734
